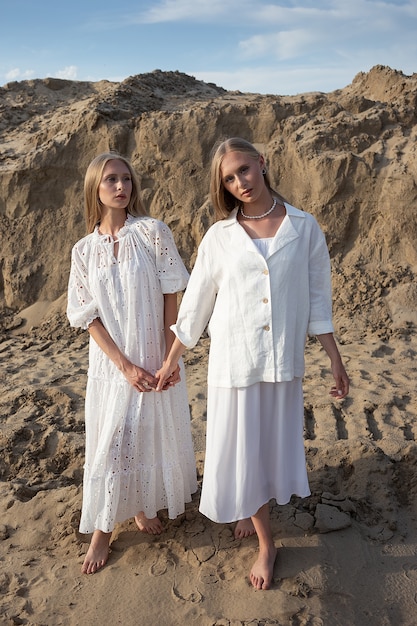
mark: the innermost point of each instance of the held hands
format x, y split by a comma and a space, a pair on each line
167, 376
170, 381
140, 379
143, 380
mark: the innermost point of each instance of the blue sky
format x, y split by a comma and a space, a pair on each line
277, 47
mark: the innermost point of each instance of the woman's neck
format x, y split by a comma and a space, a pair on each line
259, 206
112, 222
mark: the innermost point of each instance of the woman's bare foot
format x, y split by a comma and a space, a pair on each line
152, 526
262, 571
244, 528
97, 553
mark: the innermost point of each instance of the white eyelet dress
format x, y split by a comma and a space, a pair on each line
139, 453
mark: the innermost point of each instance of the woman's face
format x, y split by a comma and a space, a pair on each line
241, 175
115, 186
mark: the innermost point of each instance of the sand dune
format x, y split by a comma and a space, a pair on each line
348, 554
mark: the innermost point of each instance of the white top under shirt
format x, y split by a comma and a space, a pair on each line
262, 243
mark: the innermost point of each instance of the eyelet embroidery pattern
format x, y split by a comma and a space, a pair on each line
138, 445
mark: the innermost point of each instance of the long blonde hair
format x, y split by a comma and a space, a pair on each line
222, 200
92, 180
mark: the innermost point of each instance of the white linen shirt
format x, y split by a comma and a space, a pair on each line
258, 309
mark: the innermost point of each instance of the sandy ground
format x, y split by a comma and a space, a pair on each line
347, 555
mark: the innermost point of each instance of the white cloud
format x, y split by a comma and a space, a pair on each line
362, 13
367, 29
13, 74
17, 74
281, 45
68, 73
167, 11
292, 27
196, 10
282, 80
286, 15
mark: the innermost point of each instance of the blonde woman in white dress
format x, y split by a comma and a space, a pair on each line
261, 282
124, 279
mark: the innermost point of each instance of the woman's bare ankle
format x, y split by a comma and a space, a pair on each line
97, 553
151, 526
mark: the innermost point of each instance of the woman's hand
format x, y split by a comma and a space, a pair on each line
140, 379
172, 380
167, 376
169, 373
341, 387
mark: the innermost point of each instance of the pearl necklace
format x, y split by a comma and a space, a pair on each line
258, 217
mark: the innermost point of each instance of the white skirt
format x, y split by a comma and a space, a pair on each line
254, 449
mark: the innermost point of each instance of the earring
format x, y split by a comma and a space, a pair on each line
264, 171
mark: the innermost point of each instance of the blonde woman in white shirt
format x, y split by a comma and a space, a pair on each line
261, 283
